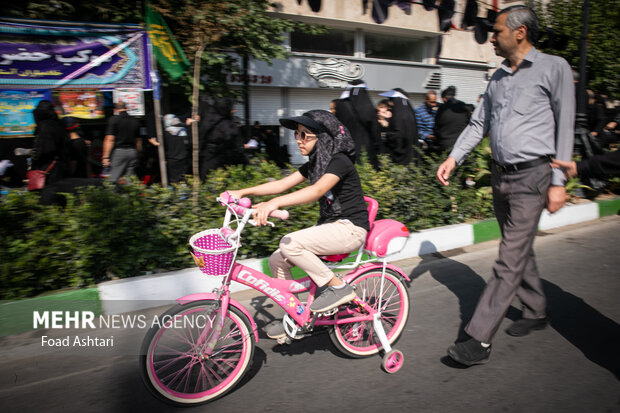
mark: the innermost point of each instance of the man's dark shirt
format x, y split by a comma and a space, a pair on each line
125, 128
452, 117
597, 118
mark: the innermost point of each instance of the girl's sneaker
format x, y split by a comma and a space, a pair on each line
332, 298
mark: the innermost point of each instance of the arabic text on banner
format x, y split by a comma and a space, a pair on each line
53, 56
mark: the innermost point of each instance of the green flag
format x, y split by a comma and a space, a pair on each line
166, 49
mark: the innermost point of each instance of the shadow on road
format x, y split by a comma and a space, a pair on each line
461, 280
594, 334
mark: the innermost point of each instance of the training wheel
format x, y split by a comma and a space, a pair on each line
392, 361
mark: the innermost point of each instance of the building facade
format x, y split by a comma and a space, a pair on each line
405, 50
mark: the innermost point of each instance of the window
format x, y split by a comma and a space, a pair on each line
340, 42
381, 46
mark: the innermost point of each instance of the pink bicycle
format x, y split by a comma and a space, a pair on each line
207, 342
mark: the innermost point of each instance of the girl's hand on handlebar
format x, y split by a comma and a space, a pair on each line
262, 211
236, 194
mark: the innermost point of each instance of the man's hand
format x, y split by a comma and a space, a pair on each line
445, 169
569, 167
556, 197
105, 162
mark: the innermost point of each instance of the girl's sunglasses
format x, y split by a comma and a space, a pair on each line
303, 136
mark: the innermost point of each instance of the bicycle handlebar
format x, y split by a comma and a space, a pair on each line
244, 204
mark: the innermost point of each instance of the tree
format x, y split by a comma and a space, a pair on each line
229, 31
565, 16
221, 34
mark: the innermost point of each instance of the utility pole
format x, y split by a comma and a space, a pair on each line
246, 96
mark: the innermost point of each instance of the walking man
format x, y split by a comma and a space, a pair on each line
425, 117
122, 143
528, 110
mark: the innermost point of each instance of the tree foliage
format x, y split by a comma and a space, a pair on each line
228, 30
566, 17
108, 11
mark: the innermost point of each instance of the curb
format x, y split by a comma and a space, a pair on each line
146, 291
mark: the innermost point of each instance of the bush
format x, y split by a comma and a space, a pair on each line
110, 232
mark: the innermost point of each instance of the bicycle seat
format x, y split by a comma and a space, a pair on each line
372, 207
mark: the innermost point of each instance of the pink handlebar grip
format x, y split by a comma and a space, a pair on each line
245, 203
280, 213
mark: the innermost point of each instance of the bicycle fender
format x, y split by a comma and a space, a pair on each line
211, 296
366, 267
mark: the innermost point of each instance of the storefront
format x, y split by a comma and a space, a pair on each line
302, 83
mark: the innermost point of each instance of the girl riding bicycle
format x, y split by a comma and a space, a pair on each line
343, 222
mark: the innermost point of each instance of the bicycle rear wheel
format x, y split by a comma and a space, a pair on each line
174, 365
358, 339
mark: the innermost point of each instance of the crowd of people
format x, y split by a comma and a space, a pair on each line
602, 117
392, 126
395, 127
71, 155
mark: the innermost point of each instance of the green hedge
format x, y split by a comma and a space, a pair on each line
109, 232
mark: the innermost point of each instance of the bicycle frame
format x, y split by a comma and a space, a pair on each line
283, 292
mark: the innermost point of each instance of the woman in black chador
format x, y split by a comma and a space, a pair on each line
360, 117
221, 143
402, 134
49, 142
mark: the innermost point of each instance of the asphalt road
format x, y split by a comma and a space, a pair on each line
572, 366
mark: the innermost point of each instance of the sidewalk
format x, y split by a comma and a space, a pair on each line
137, 293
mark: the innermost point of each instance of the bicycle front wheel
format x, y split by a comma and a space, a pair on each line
174, 364
358, 339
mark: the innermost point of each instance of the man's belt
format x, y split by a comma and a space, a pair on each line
516, 167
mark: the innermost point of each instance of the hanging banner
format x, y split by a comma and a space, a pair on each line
64, 55
133, 98
80, 103
16, 108
166, 49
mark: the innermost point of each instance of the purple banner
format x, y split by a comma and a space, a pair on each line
45, 56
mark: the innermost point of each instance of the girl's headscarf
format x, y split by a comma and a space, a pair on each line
332, 138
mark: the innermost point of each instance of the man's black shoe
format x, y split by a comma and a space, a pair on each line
523, 327
469, 352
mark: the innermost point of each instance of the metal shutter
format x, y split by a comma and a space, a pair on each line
303, 100
264, 106
469, 82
